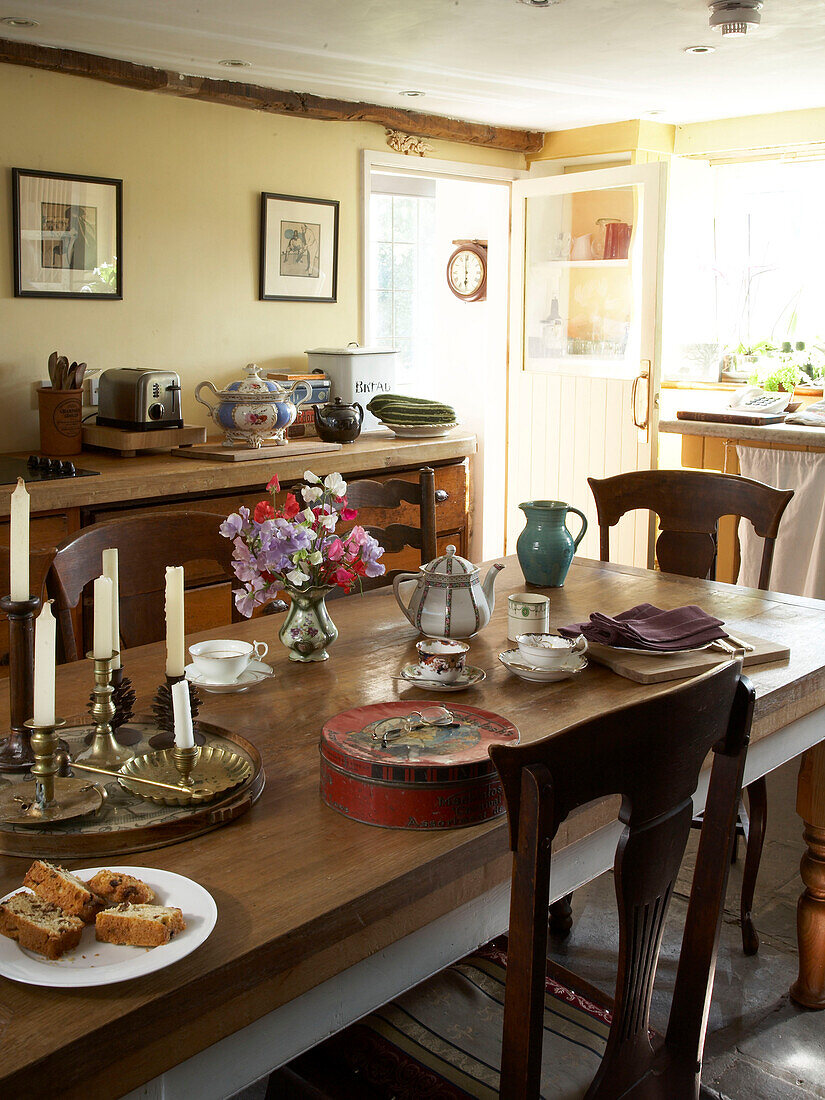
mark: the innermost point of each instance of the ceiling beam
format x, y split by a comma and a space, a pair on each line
257, 98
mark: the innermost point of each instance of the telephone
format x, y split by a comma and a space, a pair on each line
754, 399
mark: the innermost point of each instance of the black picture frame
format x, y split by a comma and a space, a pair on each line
299, 249
68, 235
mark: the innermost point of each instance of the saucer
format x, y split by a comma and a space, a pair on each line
254, 673
468, 678
515, 663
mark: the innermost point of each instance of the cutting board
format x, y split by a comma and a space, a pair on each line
645, 669
216, 453
127, 443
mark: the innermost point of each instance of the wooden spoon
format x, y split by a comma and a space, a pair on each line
79, 375
53, 369
62, 372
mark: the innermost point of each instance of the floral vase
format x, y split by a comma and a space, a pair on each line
308, 629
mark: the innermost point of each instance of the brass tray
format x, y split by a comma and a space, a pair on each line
126, 822
217, 767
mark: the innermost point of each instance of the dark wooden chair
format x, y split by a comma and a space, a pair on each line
146, 544
394, 494
562, 1037
689, 504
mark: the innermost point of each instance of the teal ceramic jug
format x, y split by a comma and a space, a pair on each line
545, 547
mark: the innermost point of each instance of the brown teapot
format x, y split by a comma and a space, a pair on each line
338, 422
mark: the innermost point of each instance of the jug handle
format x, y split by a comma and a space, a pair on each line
198, 389
303, 401
583, 531
396, 581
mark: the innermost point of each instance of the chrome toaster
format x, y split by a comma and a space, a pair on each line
139, 400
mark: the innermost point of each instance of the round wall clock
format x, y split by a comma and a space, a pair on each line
467, 271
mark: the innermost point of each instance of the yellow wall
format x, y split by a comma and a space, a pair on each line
741, 138
192, 177
615, 137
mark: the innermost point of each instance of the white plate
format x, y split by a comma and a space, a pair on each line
420, 431
255, 673
469, 678
515, 663
94, 963
655, 652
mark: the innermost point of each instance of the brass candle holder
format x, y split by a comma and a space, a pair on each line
185, 761
15, 750
47, 798
104, 750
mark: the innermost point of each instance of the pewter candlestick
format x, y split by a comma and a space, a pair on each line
15, 750
104, 751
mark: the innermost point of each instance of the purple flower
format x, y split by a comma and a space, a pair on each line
250, 597
235, 524
371, 551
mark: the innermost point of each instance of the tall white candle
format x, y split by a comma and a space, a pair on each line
44, 639
103, 617
182, 714
174, 620
19, 542
110, 571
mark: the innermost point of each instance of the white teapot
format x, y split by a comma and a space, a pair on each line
446, 598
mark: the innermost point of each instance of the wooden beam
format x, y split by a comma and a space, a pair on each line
257, 98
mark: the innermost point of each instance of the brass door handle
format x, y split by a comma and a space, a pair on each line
644, 423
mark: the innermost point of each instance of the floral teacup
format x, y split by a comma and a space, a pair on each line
442, 659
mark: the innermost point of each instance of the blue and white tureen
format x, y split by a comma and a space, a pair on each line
255, 410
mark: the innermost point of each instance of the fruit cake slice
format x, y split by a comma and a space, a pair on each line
139, 925
38, 925
63, 889
116, 887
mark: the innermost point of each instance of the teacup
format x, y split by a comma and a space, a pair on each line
527, 612
441, 659
223, 661
549, 650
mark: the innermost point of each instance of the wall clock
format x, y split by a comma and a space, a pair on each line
467, 271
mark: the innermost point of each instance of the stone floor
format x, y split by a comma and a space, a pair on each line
759, 1045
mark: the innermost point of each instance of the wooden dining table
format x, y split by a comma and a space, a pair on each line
321, 918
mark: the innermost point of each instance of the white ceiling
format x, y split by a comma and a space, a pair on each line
498, 61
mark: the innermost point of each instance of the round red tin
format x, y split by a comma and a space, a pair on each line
435, 777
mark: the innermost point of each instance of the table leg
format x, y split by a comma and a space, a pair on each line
809, 988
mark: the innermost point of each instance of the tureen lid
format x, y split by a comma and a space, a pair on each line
449, 565
253, 383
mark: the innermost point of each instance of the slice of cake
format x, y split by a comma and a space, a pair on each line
139, 925
63, 889
38, 925
115, 887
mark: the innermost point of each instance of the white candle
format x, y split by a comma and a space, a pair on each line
19, 545
182, 713
110, 571
103, 618
174, 620
44, 638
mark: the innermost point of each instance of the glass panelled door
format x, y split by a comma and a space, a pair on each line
584, 353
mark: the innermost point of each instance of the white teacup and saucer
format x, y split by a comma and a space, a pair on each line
226, 664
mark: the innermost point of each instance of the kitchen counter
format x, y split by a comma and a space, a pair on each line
796, 435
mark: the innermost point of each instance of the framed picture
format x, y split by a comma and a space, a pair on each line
68, 236
299, 249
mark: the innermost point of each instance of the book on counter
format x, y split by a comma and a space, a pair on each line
320, 384
303, 426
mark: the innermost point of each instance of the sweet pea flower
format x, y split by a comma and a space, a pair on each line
335, 484
273, 485
311, 478
297, 577
343, 578
328, 522
311, 493
315, 558
291, 507
335, 549
235, 524
263, 511
355, 539
349, 513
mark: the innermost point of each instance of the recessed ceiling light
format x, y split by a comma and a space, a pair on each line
19, 21
700, 49
412, 93
235, 63
538, 3
655, 111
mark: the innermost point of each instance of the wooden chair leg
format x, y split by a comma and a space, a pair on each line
758, 815
560, 918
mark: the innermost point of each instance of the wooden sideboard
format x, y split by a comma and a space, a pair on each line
160, 482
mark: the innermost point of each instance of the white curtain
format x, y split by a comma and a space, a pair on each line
799, 558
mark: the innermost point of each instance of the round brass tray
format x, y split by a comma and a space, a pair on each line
217, 768
73, 798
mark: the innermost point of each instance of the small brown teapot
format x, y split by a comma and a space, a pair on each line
338, 422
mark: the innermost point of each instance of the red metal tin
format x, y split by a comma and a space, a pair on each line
432, 778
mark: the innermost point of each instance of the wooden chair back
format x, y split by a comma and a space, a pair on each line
146, 544
689, 504
650, 753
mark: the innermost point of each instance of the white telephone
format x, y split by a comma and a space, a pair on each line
754, 399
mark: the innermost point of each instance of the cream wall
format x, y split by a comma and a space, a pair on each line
192, 177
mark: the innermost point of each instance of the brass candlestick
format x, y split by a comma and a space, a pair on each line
104, 751
15, 750
185, 761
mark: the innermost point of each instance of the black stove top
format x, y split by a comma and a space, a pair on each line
36, 468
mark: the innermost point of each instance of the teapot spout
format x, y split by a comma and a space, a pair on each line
489, 585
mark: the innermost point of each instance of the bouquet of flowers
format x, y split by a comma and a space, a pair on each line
296, 547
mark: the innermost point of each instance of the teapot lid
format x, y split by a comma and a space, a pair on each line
449, 564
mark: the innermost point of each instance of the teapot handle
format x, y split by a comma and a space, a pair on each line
360, 413
396, 581
583, 531
198, 389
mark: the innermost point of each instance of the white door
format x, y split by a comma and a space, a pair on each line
585, 343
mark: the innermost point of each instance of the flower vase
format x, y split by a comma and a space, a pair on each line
308, 629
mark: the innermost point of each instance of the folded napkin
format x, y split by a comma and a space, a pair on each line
648, 627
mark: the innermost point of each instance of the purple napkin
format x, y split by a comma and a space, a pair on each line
648, 627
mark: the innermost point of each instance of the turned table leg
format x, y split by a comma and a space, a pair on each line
809, 988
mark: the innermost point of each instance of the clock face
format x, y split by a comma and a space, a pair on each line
466, 272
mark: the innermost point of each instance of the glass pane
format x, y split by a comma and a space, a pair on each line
381, 315
381, 275
404, 219
580, 295
381, 217
403, 267
403, 313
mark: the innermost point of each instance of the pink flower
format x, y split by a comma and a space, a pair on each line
343, 578
357, 537
335, 549
348, 513
273, 485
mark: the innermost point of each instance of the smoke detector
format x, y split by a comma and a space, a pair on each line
735, 17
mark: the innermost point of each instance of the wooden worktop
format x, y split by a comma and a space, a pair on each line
795, 435
163, 475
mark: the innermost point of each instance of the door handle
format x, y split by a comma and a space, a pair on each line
643, 374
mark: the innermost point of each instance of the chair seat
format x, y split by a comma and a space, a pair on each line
442, 1040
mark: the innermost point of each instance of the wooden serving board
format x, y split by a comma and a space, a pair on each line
251, 454
128, 443
646, 669
731, 416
